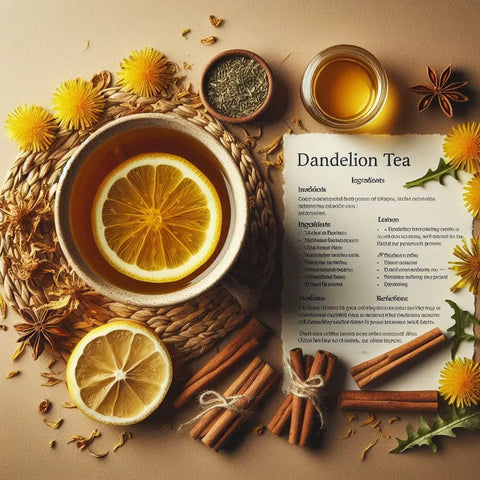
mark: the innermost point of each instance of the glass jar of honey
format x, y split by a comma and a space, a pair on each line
344, 87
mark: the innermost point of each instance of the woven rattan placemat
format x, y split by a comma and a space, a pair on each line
34, 270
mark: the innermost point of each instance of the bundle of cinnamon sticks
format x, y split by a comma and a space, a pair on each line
296, 410
230, 355
218, 425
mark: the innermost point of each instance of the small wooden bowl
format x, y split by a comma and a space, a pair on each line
236, 53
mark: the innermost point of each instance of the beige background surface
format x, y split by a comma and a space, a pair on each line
43, 43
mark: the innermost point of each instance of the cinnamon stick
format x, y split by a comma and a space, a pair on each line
375, 368
298, 403
284, 413
323, 365
238, 387
227, 418
234, 351
390, 401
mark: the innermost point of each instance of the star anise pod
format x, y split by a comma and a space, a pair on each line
445, 92
41, 327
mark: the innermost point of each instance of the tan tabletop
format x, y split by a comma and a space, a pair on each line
43, 43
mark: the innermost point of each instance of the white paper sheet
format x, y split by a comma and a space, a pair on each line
366, 259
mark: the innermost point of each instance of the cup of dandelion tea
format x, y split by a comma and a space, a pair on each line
344, 87
151, 210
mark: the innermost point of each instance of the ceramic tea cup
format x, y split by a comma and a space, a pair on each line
115, 143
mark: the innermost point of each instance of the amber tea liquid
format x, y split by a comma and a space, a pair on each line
111, 154
344, 88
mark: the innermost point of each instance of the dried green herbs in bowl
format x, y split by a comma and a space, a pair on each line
236, 86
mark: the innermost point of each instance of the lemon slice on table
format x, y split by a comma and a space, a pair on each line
156, 218
119, 373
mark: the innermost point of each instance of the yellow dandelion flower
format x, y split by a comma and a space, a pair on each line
471, 195
146, 73
31, 127
460, 382
468, 268
462, 147
77, 104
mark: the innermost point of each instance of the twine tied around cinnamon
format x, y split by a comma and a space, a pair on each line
312, 388
211, 399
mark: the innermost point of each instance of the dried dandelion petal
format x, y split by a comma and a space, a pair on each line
185, 32
351, 416
123, 438
51, 382
393, 419
146, 73
82, 442
20, 349
68, 405
215, 21
54, 425
44, 406
31, 127
258, 430
367, 448
77, 104
210, 40
349, 433
3, 307
98, 455
369, 420
13, 373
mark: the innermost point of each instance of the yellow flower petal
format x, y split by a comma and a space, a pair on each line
31, 127
460, 382
146, 73
77, 104
462, 147
468, 266
471, 195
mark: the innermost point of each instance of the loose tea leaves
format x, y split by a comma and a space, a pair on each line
236, 86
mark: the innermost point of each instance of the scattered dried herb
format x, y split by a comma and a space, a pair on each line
124, 437
51, 363
215, 21
19, 350
439, 88
258, 430
463, 319
236, 86
286, 57
393, 420
351, 416
367, 448
101, 80
82, 442
52, 380
54, 425
185, 32
13, 373
3, 307
349, 433
98, 455
437, 175
369, 420
298, 123
44, 406
52, 444
210, 40
68, 405
3, 327
186, 66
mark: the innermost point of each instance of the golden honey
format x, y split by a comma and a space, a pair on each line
344, 87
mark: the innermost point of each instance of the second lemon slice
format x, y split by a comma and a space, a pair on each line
156, 218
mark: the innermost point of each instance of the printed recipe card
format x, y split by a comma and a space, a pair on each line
366, 259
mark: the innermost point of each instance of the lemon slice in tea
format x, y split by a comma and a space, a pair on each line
156, 218
119, 373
